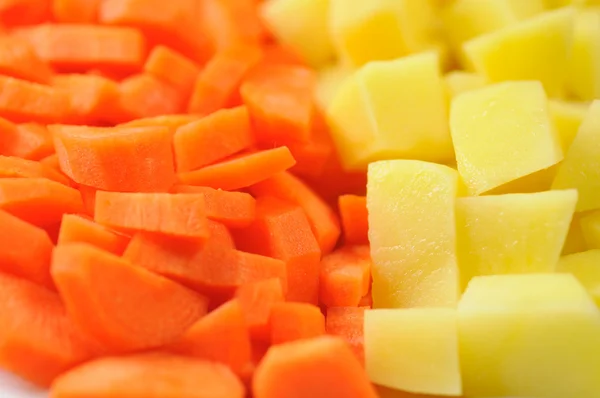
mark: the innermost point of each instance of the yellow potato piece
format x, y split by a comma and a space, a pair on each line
533, 49
501, 133
392, 109
581, 167
524, 9
584, 64
567, 118
536, 182
413, 349
413, 234
458, 82
529, 335
575, 241
586, 268
512, 234
329, 80
590, 228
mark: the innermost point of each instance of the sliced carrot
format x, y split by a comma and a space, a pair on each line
334, 181
25, 251
28, 141
257, 300
219, 81
108, 298
14, 167
144, 95
171, 121
324, 365
93, 98
276, 54
212, 138
39, 201
125, 159
231, 22
295, 321
75, 228
282, 231
182, 215
23, 101
221, 336
76, 11
170, 66
24, 12
18, 59
76, 48
51, 161
241, 171
37, 340
323, 220
148, 375
313, 155
354, 216
88, 196
347, 323
234, 209
8, 132
366, 300
280, 101
345, 276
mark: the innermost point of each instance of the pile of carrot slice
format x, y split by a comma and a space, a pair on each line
174, 221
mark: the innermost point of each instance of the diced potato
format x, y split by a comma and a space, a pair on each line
534, 49
586, 268
567, 118
575, 241
329, 80
512, 234
583, 80
562, 3
530, 335
458, 82
581, 167
590, 227
535, 182
303, 25
392, 109
501, 133
413, 349
524, 9
385, 392
412, 233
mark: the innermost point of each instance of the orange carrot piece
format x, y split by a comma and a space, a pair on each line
313, 155
347, 323
366, 301
221, 336
8, 132
325, 365
51, 161
345, 276
79, 47
93, 98
181, 215
88, 196
38, 200
24, 12
276, 54
148, 375
76, 11
171, 121
144, 95
257, 300
124, 159
280, 101
231, 22
19, 60
295, 321
172, 67
219, 81
14, 167
212, 138
354, 217
25, 251
75, 228
28, 141
234, 209
37, 340
241, 171
282, 231
108, 298
323, 220
23, 101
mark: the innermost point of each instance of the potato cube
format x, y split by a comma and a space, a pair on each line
584, 64
585, 267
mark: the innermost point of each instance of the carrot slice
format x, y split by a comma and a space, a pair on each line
322, 218
148, 375
220, 336
88, 196
24, 12
19, 60
75, 228
28, 140
25, 251
108, 298
355, 221
76, 11
257, 300
324, 365
295, 321
37, 340
218, 82
136, 159
212, 138
77, 48
171, 121
144, 95
231, 22
282, 231
345, 276
14, 167
173, 68
38, 200
241, 171
23, 101
347, 323
234, 209
276, 54
182, 215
